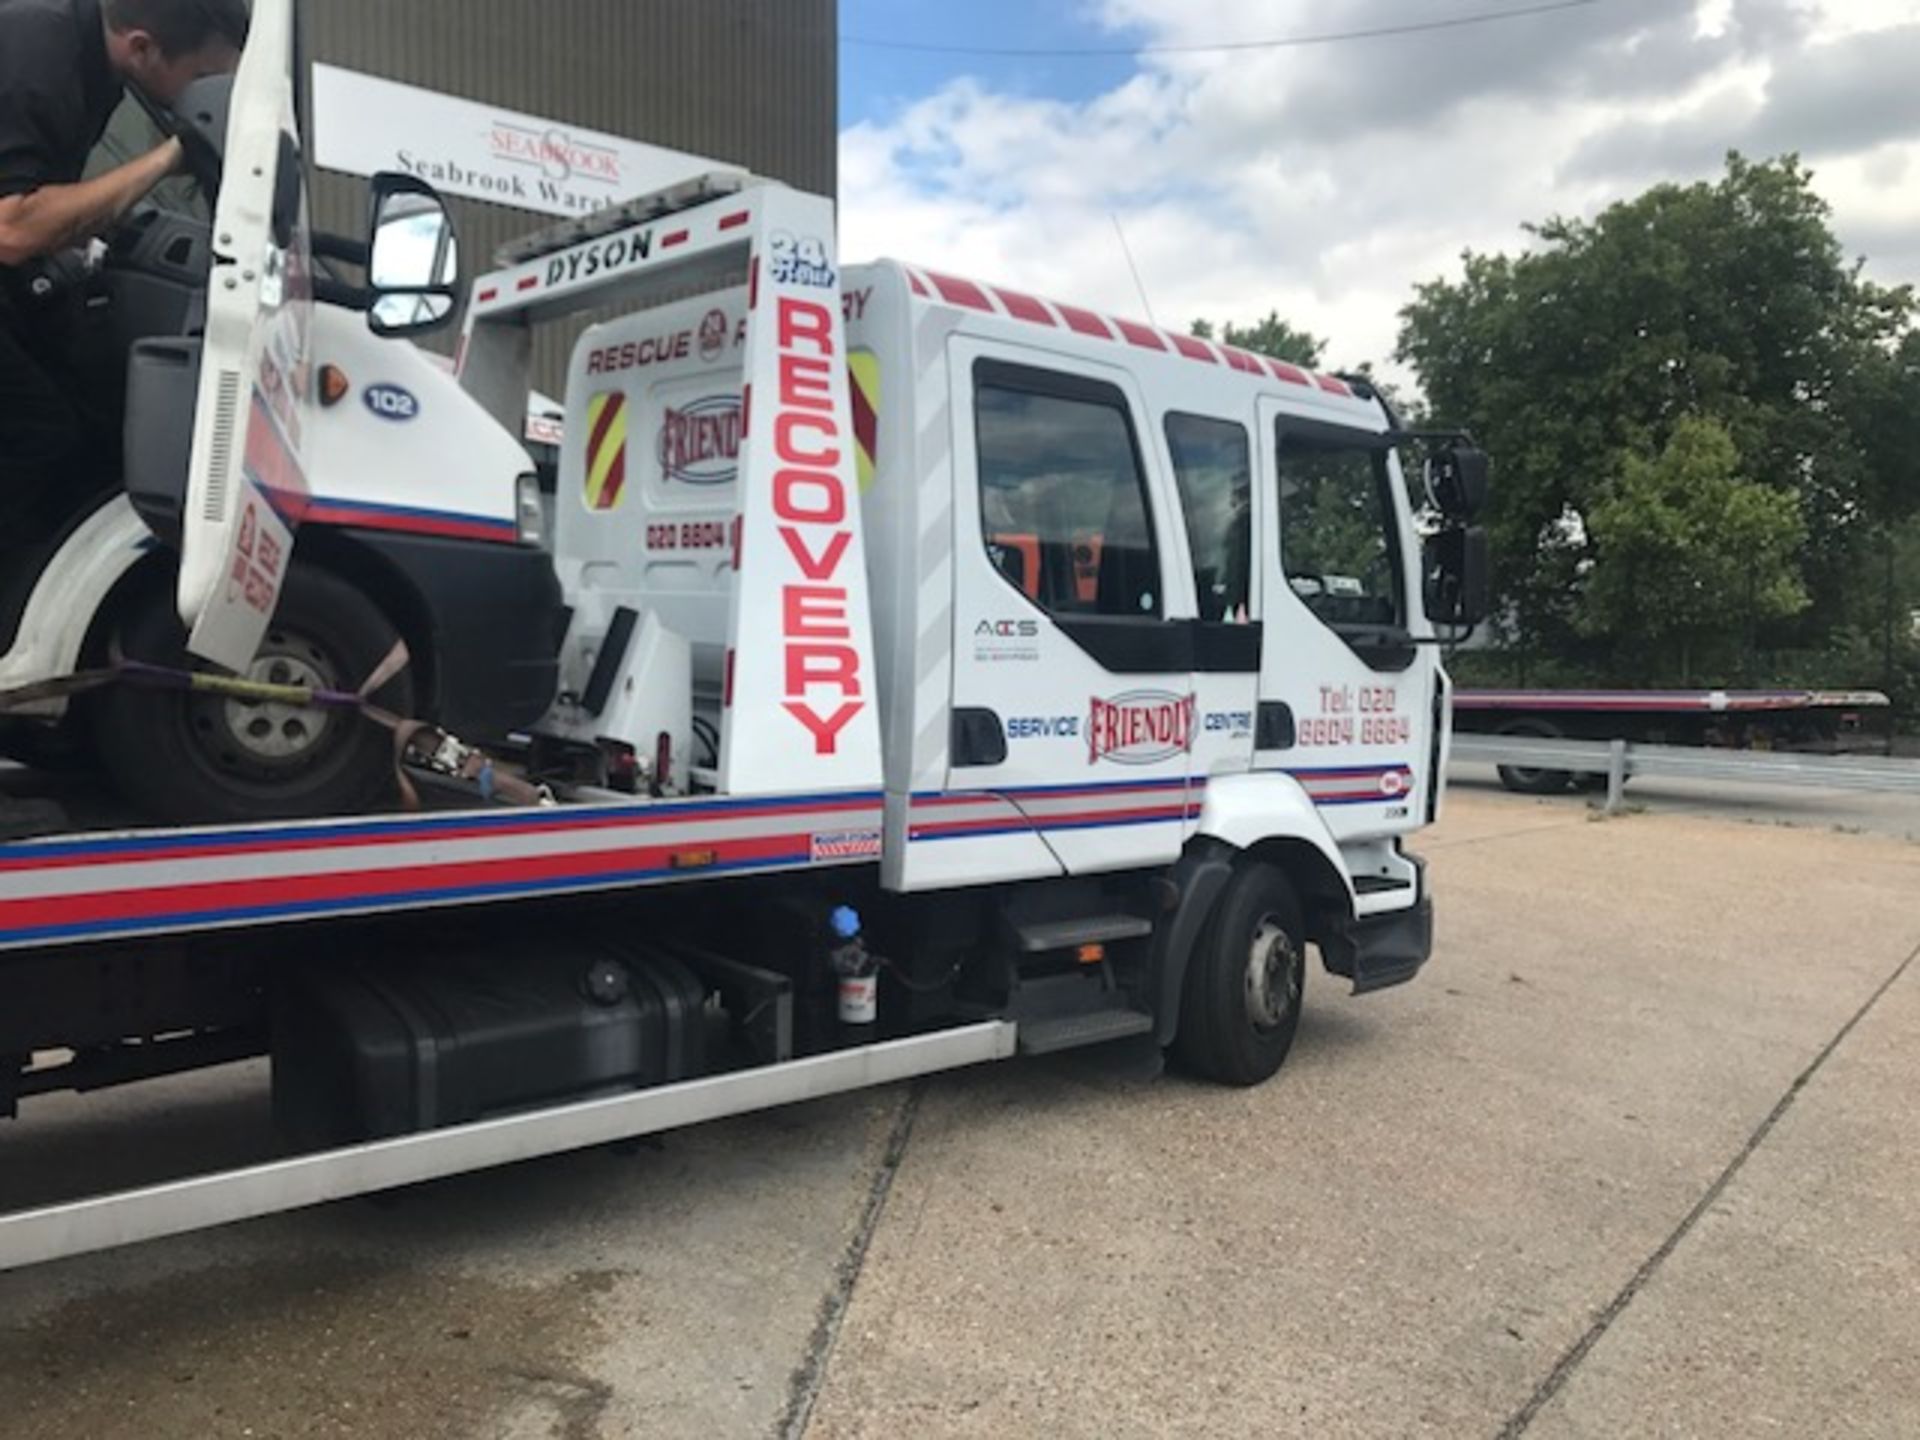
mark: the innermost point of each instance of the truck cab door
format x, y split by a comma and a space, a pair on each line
1345, 697
246, 486
1073, 688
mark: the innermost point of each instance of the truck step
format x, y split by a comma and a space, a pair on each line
1035, 936
1066, 1032
1380, 884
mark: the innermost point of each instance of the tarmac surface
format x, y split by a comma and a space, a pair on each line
1636, 1155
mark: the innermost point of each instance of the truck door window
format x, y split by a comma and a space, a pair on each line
1210, 462
1337, 528
1063, 499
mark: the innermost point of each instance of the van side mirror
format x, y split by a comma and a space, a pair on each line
413, 257
1458, 478
1458, 576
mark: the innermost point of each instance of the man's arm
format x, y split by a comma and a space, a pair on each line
54, 217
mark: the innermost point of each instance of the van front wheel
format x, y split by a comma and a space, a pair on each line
185, 756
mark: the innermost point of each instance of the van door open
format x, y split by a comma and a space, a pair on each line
247, 484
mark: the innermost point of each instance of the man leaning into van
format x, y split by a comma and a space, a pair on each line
63, 68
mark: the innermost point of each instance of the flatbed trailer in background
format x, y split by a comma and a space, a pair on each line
1827, 722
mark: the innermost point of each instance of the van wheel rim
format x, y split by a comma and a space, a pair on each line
272, 734
1273, 975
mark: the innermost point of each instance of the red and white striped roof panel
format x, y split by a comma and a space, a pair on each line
932, 286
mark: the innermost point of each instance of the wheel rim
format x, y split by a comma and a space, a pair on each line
1273, 974
263, 739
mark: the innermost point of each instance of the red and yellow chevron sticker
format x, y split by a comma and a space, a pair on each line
863, 388
606, 449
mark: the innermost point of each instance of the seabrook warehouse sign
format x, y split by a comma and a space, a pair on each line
363, 124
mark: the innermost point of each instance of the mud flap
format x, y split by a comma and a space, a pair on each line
1378, 951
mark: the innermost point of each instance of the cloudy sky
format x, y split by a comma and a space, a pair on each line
1324, 180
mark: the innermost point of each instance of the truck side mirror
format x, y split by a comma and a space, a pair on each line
1458, 576
1457, 481
413, 257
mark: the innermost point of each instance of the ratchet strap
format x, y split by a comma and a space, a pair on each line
418, 741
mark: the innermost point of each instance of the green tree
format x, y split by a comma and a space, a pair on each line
1728, 300
1271, 336
1687, 551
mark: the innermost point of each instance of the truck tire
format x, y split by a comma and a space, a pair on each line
1241, 1004
194, 757
1524, 779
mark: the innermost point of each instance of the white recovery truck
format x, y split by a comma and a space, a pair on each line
949, 673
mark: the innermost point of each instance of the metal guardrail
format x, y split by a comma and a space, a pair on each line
1620, 759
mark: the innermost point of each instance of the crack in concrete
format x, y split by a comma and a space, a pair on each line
1445, 844
811, 1373
1556, 1378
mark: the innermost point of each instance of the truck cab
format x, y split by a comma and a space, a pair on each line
1140, 603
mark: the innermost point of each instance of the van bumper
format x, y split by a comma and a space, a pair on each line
1377, 951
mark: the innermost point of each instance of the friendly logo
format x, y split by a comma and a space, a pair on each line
1141, 727
700, 444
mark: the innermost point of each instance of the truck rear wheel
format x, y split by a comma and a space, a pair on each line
1241, 1004
1526, 780
183, 756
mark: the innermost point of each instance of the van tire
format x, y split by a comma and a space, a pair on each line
1240, 1007
183, 757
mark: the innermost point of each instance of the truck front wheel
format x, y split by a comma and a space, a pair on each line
1241, 1004
184, 756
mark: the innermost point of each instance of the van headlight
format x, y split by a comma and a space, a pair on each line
529, 513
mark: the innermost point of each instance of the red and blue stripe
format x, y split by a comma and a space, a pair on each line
1025, 809
176, 882
411, 520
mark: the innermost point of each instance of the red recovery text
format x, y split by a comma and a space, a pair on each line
823, 686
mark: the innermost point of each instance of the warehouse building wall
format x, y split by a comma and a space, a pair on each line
752, 83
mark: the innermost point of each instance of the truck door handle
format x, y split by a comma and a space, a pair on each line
1273, 726
978, 737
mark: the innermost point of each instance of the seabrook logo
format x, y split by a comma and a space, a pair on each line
1141, 727
555, 153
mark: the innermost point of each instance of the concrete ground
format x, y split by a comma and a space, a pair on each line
1635, 1156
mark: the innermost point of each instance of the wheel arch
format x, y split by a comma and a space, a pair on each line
88, 569
1269, 815
323, 548
339, 553
1324, 893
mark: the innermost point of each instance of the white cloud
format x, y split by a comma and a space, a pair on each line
1325, 182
